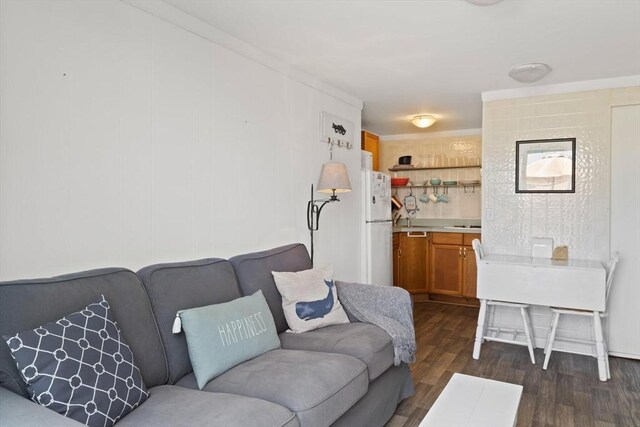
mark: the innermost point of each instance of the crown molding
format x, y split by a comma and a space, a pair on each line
174, 16
429, 135
570, 87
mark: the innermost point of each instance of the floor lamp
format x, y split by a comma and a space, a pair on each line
333, 179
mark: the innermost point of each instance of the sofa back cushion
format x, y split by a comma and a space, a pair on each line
179, 286
254, 273
27, 304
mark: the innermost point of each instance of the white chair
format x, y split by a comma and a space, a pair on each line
493, 333
599, 343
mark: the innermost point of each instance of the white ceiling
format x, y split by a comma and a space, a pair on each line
404, 58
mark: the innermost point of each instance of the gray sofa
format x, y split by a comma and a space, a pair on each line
339, 375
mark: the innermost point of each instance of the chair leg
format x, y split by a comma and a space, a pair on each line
548, 334
527, 332
606, 359
602, 364
480, 329
552, 336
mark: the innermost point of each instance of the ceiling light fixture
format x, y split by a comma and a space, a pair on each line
423, 121
483, 2
529, 73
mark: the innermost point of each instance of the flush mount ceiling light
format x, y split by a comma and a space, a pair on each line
529, 73
423, 121
483, 2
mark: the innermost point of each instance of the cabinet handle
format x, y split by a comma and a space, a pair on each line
414, 234
459, 252
464, 253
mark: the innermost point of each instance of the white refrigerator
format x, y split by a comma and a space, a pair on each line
376, 266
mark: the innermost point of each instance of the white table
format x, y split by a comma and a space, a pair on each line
487, 403
577, 284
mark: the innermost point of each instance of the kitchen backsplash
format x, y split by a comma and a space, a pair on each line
438, 151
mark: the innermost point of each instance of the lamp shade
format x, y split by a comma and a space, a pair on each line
334, 179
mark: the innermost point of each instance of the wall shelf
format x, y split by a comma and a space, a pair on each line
431, 168
431, 186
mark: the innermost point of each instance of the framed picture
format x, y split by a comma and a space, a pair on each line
546, 166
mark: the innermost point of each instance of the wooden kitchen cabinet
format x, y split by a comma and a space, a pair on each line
446, 269
413, 261
370, 143
396, 259
469, 272
453, 264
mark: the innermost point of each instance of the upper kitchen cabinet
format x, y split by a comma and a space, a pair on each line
370, 143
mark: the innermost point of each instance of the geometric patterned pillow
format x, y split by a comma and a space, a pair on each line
80, 367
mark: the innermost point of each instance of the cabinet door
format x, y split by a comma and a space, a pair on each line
413, 261
446, 269
370, 143
470, 272
397, 253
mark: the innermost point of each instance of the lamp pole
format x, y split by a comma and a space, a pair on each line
313, 214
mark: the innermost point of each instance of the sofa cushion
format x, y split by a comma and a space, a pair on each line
183, 285
364, 341
309, 299
317, 387
177, 406
253, 271
27, 304
220, 336
80, 366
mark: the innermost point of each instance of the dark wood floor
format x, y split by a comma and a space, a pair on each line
567, 394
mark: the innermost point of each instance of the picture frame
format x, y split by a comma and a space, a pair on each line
546, 166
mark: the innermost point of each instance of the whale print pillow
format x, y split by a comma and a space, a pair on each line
309, 299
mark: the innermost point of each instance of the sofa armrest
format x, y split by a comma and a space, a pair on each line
15, 410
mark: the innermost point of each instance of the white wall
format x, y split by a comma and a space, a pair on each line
580, 220
126, 140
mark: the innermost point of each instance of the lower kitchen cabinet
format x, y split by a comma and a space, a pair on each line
413, 261
453, 264
446, 269
469, 272
396, 259
440, 266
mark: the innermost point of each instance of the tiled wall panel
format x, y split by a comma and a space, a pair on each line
580, 220
460, 150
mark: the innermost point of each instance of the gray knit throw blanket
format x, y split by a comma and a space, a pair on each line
387, 307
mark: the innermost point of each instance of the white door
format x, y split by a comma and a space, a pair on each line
624, 315
379, 257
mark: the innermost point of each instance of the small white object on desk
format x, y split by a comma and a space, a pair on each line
541, 247
487, 403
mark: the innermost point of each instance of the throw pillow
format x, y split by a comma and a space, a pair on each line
309, 299
220, 336
80, 366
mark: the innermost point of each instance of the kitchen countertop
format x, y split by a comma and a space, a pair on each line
439, 225
436, 229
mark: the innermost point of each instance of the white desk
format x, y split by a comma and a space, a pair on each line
577, 284
487, 403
